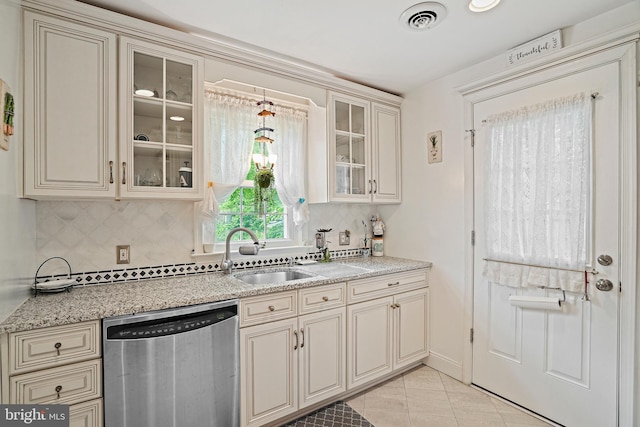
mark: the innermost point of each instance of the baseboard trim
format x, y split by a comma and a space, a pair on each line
445, 365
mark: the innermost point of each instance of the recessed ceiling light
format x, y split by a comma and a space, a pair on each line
144, 92
176, 118
482, 5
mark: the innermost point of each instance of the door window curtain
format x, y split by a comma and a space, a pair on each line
537, 194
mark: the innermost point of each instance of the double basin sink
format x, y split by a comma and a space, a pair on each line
282, 275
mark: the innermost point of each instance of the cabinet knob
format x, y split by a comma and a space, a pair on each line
272, 308
57, 346
325, 298
58, 390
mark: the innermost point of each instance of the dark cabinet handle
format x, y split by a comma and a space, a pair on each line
111, 172
58, 390
57, 346
295, 347
302, 335
124, 172
375, 191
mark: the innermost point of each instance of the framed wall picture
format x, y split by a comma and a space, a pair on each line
7, 111
434, 147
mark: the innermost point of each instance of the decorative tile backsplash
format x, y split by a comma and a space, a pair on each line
160, 271
160, 235
86, 233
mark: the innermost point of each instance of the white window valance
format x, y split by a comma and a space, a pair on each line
537, 194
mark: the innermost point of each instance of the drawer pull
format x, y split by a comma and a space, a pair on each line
272, 308
295, 347
57, 346
58, 390
393, 284
325, 298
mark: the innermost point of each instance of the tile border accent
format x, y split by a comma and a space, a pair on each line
119, 275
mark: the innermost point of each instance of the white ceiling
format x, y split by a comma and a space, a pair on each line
363, 40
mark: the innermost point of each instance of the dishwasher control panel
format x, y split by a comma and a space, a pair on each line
170, 326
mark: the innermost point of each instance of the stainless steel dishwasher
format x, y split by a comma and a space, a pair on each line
173, 368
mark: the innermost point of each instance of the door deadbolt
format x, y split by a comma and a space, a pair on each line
605, 260
604, 285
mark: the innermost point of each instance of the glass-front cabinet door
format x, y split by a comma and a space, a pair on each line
349, 149
161, 139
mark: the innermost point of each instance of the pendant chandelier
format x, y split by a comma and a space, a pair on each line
262, 160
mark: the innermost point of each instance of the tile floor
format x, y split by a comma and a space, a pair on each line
425, 397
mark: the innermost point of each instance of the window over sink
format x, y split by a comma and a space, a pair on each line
231, 117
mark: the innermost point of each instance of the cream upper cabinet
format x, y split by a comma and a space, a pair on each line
363, 150
386, 154
70, 109
161, 111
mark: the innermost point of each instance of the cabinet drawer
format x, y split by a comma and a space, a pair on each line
86, 414
266, 308
49, 347
321, 298
389, 284
67, 384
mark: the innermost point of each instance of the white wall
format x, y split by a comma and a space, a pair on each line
430, 225
17, 217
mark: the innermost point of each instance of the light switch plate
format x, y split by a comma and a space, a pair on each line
344, 238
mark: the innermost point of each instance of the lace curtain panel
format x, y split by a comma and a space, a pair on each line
230, 122
537, 194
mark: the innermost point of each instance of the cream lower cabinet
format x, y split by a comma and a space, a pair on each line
269, 370
57, 365
289, 364
389, 332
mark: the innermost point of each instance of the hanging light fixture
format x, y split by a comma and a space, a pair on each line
263, 133
264, 179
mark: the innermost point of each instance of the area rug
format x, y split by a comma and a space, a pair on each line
338, 414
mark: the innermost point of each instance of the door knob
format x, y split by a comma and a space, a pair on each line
604, 285
605, 260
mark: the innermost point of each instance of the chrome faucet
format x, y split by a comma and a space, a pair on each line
227, 262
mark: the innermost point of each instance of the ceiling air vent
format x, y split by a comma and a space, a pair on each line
423, 16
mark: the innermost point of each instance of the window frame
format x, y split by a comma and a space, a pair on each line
290, 229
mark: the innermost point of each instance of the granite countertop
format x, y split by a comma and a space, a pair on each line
99, 301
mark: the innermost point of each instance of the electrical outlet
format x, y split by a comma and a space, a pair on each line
123, 254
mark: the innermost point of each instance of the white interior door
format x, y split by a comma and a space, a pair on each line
560, 364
